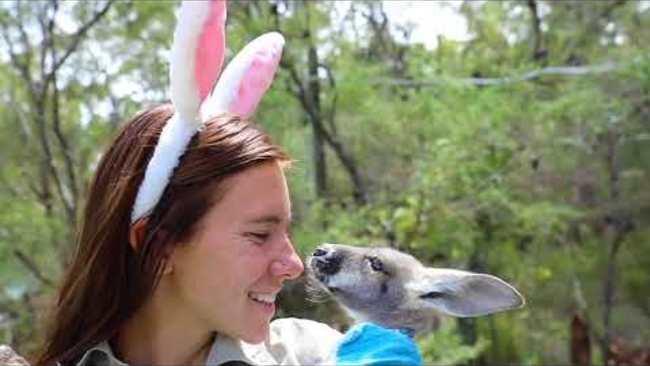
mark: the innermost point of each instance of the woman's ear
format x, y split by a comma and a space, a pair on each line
168, 267
137, 232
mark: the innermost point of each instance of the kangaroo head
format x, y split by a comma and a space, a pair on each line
393, 289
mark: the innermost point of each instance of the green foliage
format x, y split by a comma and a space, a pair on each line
445, 347
515, 179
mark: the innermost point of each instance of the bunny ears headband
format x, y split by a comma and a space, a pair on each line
196, 59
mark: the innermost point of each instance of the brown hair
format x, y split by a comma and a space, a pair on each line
108, 280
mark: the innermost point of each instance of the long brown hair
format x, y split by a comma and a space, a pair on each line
108, 280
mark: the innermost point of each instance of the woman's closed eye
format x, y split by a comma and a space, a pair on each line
258, 236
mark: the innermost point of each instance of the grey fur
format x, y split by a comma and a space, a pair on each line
393, 289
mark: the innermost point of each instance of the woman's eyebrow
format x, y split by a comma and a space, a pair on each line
268, 219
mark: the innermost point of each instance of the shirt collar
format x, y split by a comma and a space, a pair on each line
102, 355
224, 349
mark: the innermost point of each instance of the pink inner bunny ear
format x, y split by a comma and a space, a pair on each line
255, 82
196, 55
246, 78
210, 48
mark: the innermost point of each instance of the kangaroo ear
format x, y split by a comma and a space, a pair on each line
246, 78
464, 294
197, 54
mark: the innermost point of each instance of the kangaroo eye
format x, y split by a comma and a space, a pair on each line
376, 264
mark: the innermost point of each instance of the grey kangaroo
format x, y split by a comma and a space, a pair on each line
393, 289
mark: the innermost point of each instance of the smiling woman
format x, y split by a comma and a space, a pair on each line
184, 241
197, 275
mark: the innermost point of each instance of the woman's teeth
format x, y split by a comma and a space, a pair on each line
264, 298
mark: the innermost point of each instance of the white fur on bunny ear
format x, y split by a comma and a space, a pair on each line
197, 54
195, 62
244, 81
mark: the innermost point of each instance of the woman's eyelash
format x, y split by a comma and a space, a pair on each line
258, 235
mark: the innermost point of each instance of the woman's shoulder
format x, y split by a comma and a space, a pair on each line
303, 328
291, 341
302, 341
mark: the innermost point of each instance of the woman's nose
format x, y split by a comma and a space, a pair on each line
289, 266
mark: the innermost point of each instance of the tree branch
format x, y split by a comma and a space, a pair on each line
76, 39
32, 267
531, 75
33, 188
299, 90
65, 150
24, 38
48, 160
538, 52
50, 49
361, 195
331, 116
23, 68
621, 226
47, 31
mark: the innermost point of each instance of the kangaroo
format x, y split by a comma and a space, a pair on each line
394, 290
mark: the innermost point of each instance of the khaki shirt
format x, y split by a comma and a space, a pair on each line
291, 342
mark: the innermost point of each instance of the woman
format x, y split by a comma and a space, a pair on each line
211, 256
184, 242
194, 282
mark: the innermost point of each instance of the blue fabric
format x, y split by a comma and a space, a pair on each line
370, 344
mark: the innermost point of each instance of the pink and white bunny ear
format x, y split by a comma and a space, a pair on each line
196, 59
246, 78
197, 54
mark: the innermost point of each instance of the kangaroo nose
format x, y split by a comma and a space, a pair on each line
319, 252
326, 261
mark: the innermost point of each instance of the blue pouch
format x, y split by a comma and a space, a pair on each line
370, 344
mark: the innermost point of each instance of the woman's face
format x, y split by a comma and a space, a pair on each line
229, 272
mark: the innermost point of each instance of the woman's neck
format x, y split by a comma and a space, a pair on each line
158, 335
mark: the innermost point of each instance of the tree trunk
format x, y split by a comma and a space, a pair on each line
313, 93
308, 93
580, 347
320, 163
619, 226
477, 263
539, 53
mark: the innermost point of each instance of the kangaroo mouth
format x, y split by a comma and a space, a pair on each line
317, 273
324, 281
322, 272
321, 277
333, 289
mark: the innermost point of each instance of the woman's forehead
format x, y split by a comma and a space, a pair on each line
257, 194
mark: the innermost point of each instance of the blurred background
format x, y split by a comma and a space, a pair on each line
504, 137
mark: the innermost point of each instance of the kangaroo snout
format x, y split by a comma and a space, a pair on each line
326, 260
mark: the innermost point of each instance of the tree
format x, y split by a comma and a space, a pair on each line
58, 107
